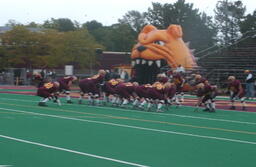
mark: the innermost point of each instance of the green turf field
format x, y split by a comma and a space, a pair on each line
86, 136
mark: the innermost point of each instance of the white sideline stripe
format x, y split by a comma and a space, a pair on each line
135, 127
183, 116
165, 114
5, 165
71, 151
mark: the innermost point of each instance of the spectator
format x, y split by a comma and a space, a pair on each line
124, 75
42, 73
107, 75
29, 76
180, 69
114, 74
249, 81
51, 74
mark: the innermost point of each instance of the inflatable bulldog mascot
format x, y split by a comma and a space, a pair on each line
158, 48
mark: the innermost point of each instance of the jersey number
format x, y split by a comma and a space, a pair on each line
48, 85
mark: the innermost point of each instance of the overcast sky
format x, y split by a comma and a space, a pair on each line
104, 11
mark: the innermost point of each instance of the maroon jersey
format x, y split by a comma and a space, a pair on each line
96, 79
141, 90
39, 80
47, 90
200, 80
237, 89
235, 86
171, 91
125, 90
65, 83
110, 87
91, 85
156, 91
207, 90
65, 80
163, 80
178, 79
38, 77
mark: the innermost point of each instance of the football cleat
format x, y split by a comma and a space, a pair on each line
159, 110
42, 104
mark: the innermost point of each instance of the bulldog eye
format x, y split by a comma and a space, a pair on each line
160, 43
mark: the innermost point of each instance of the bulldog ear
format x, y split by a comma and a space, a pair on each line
148, 28
175, 31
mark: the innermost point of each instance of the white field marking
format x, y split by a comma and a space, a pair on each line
135, 127
71, 151
183, 116
5, 165
165, 114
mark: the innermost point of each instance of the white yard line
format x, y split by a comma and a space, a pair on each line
71, 151
135, 127
152, 113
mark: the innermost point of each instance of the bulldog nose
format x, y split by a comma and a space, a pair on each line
141, 48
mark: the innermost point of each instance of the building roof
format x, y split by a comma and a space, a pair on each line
4, 29
108, 60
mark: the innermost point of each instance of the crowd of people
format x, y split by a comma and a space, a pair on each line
102, 89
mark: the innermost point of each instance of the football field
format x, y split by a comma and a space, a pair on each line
93, 136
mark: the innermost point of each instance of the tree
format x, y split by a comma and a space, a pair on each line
21, 47
249, 23
49, 48
92, 25
117, 37
12, 23
61, 24
135, 20
228, 16
120, 37
79, 48
33, 24
198, 28
73, 47
95, 29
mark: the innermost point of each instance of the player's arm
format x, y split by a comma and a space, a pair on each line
182, 82
240, 89
56, 97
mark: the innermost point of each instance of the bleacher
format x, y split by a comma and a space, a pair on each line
232, 60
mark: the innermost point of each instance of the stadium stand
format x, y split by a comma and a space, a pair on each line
217, 65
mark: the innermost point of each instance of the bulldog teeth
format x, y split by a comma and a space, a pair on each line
192, 51
187, 44
138, 61
143, 62
158, 63
150, 63
133, 63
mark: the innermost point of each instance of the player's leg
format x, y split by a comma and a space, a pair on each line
68, 98
242, 99
212, 105
232, 100
81, 97
160, 105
